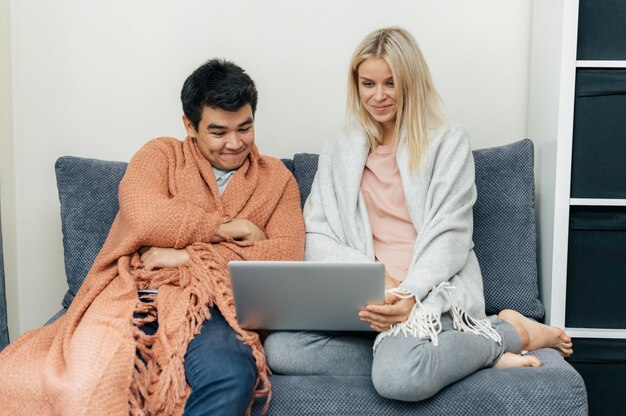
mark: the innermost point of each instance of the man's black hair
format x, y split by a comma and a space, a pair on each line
217, 84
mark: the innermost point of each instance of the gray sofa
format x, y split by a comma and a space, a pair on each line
4, 331
505, 239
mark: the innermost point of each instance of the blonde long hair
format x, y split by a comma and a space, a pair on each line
419, 106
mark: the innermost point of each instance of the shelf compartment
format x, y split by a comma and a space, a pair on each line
601, 30
596, 268
602, 364
599, 134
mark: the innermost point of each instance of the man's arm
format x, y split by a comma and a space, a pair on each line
236, 229
284, 231
283, 238
147, 206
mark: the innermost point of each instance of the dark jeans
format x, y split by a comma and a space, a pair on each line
219, 368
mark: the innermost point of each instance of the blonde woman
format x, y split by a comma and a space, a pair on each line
397, 186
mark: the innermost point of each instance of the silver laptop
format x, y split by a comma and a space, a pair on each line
305, 295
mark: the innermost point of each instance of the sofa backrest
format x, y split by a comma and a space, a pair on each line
4, 330
504, 219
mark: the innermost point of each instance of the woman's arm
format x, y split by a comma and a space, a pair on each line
322, 242
444, 239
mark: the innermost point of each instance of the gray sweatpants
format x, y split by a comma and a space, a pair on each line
403, 368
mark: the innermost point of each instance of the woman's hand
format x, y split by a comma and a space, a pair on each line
390, 283
159, 257
395, 309
239, 229
381, 317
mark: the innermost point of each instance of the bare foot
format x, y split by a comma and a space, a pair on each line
510, 360
535, 335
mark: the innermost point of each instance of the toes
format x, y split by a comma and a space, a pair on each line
564, 337
531, 361
566, 351
510, 360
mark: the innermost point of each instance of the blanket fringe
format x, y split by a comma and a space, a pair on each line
462, 321
419, 324
158, 384
427, 324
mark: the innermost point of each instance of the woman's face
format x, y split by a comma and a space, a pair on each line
377, 90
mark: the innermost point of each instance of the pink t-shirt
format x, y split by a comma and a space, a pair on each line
393, 231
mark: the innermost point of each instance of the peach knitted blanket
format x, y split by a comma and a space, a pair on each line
87, 362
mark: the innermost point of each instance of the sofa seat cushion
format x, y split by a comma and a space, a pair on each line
555, 388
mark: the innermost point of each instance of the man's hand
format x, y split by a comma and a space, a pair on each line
381, 317
239, 229
158, 257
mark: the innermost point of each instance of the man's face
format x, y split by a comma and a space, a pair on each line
224, 137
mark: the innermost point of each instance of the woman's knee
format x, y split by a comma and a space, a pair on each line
318, 353
402, 377
285, 351
397, 384
277, 350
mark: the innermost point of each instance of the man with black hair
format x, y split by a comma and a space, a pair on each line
152, 330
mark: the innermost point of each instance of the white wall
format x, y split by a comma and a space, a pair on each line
7, 170
100, 78
551, 124
543, 117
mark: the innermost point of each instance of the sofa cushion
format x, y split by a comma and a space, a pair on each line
304, 170
555, 388
4, 331
288, 163
504, 224
88, 196
505, 232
